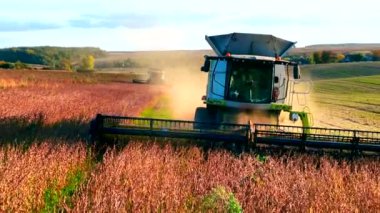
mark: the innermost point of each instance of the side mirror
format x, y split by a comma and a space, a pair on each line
296, 72
276, 79
206, 65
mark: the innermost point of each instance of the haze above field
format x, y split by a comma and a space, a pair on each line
171, 25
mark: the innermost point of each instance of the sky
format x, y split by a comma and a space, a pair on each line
134, 25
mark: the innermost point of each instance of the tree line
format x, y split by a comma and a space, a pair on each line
51, 57
323, 57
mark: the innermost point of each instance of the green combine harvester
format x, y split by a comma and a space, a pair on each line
249, 86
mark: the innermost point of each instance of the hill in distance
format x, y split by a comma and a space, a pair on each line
58, 57
348, 47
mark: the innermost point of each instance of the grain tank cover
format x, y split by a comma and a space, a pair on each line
249, 44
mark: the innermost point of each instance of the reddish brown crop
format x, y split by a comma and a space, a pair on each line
60, 99
150, 177
25, 176
43, 123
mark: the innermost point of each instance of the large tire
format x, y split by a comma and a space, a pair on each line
203, 117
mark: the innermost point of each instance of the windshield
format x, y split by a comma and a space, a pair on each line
251, 81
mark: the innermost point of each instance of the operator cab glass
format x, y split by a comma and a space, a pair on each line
250, 81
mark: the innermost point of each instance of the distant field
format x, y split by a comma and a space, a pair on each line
340, 70
346, 95
335, 48
23, 78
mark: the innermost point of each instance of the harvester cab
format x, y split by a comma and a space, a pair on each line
248, 80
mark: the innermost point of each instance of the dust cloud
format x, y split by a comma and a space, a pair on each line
185, 88
184, 83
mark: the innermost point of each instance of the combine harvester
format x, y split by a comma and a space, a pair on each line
249, 86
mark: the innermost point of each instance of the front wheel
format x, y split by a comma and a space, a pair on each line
204, 119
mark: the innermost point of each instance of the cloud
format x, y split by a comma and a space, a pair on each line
132, 21
13, 26
139, 21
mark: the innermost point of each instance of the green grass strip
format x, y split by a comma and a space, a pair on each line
160, 110
220, 200
54, 198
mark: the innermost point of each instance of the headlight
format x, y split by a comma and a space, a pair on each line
294, 116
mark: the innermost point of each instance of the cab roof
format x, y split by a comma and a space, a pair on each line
249, 44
